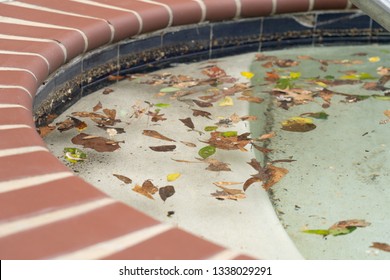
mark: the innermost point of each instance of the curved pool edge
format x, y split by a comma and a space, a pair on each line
48, 212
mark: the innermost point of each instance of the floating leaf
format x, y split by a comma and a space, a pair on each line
207, 151
155, 134
226, 101
248, 75
374, 59
74, 155
166, 192
99, 144
173, 176
298, 124
124, 179
163, 148
169, 89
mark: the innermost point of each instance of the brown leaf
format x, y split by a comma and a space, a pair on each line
202, 103
267, 136
156, 116
110, 113
188, 144
115, 77
275, 174
214, 72
70, 123
124, 179
97, 107
381, 246
45, 130
253, 99
155, 134
262, 149
215, 165
227, 193
147, 189
107, 91
201, 113
229, 143
350, 223
250, 181
166, 192
163, 148
286, 63
188, 122
99, 144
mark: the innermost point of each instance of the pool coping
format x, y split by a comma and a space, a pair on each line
47, 211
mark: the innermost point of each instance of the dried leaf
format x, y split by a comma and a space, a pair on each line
201, 113
188, 122
202, 103
155, 134
45, 130
298, 124
147, 189
97, 107
226, 101
163, 148
107, 91
156, 116
267, 136
166, 192
115, 77
381, 246
215, 165
253, 99
110, 113
124, 179
227, 193
275, 174
99, 144
214, 72
350, 223
239, 142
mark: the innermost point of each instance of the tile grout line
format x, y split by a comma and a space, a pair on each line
24, 224
17, 184
110, 247
22, 150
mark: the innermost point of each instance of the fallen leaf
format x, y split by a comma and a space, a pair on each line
226, 101
227, 193
156, 116
166, 192
155, 134
70, 123
99, 144
235, 142
115, 77
350, 223
216, 165
248, 75
188, 122
74, 155
173, 177
381, 246
188, 144
201, 113
275, 174
339, 228
214, 72
202, 103
124, 179
97, 107
207, 151
253, 99
267, 136
45, 130
147, 189
374, 59
107, 91
318, 115
163, 148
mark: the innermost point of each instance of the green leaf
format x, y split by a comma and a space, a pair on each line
210, 128
162, 105
318, 115
381, 97
169, 89
74, 155
207, 151
341, 231
229, 133
284, 83
323, 232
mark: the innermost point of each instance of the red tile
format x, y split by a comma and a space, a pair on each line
97, 31
154, 17
214, 11
29, 164
15, 116
184, 11
50, 50
19, 78
174, 244
21, 137
255, 8
15, 96
327, 5
285, 6
75, 233
71, 39
35, 64
46, 197
125, 23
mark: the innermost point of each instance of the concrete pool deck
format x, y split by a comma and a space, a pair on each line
47, 211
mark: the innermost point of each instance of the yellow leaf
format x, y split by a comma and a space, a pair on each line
227, 101
173, 176
321, 84
374, 59
299, 120
248, 75
295, 75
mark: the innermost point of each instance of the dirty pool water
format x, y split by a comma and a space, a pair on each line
291, 127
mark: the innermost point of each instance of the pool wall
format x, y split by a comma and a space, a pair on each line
54, 52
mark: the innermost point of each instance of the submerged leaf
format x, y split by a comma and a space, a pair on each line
201, 113
381, 246
124, 179
99, 144
319, 115
163, 148
155, 134
188, 122
298, 124
166, 192
74, 155
248, 75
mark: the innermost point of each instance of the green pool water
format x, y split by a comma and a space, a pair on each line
335, 172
